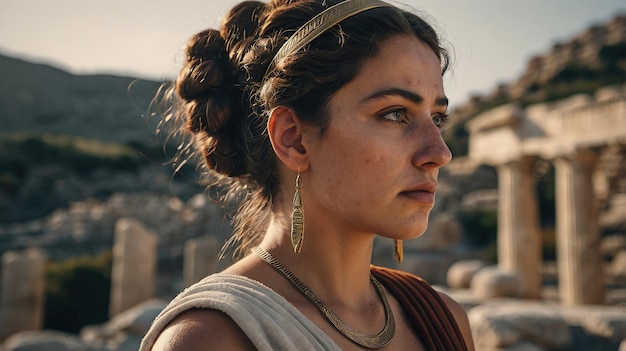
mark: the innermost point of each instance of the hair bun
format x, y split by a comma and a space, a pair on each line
207, 44
241, 22
206, 87
207, 66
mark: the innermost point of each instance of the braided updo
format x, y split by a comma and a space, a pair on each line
222, 95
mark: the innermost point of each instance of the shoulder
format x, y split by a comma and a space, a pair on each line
409, 285
202, 329
460, 316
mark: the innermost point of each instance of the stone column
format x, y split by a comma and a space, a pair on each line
134, 265
200, 259
578, 235
22, 292
519, 236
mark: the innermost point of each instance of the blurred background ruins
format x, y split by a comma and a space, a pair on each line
529, 233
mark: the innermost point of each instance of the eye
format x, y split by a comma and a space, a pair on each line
398, 115
440, 120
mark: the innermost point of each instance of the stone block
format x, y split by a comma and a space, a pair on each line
22, 291
506, 324
124, 331
125, 342
44, 341
137, 320
430, 266
201, 258
134, 265
460, 273
524, 346
611, 325
491, 282
444, 232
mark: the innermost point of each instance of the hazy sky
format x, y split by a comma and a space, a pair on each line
491, 39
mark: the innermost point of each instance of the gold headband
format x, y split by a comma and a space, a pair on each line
319, 24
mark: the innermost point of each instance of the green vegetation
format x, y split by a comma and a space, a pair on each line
19, 153
546, 199
548, 245
576, 78
38, 173
481, 231
457, 139
481, 227
77, 292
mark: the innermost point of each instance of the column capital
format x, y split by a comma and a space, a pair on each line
586, 158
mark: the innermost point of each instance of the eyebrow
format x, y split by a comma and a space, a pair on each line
409, 95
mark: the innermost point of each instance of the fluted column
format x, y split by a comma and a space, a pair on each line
578, 237
519, 236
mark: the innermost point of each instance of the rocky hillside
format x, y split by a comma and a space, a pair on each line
37, 98
77, 153
67, 138
593, 59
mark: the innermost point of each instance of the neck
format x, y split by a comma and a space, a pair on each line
334, 264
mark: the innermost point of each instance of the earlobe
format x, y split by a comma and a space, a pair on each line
285, 134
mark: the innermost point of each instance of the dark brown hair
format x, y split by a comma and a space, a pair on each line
221, 98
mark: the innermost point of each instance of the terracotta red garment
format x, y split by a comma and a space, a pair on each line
427, 312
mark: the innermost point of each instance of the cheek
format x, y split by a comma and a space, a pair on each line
355, 166
370, 171
349, 178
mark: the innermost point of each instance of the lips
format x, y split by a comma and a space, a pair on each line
423, 193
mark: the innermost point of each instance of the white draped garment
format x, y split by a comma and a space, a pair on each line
269, 321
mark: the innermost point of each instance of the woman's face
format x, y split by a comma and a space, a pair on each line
375, 168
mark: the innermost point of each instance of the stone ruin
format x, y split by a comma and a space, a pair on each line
500, 317
512, 309
568, 134
133, 305
134, 265
508, 306
21, 292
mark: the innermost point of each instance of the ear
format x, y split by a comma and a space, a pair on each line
285, 134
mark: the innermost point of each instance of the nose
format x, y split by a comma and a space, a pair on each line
433, 152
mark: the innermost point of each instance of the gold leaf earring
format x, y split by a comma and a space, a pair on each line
398, 250
297, 218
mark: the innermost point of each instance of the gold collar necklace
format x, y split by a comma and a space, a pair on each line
383, 338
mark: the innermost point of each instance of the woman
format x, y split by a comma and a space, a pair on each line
327, 117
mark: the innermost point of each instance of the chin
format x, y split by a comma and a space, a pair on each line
417, 233
419, 227
409, 234
407, 229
